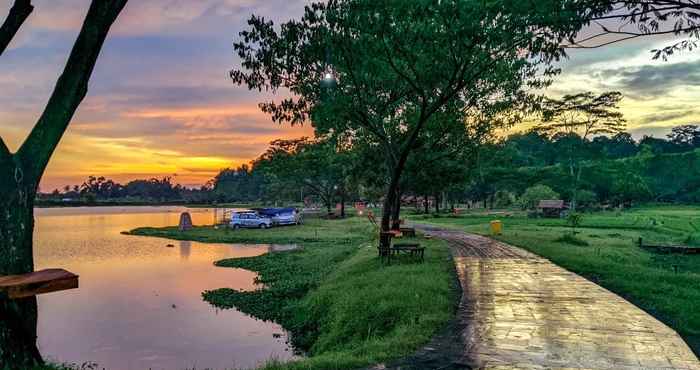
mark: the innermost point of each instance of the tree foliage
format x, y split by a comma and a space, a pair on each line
396, 64
534, 194
574, 118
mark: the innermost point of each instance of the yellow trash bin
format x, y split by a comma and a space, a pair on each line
496, 227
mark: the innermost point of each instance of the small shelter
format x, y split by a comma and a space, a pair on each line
185, 221
551, 208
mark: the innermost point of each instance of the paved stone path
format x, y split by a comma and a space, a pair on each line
520, 311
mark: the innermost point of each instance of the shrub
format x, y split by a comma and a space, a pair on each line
573, 219
586, 198
571, 239
504, 199
534, 194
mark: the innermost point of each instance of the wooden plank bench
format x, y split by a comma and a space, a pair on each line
681, 249
394, 250
38, 282
413, 249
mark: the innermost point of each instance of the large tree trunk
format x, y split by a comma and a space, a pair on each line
20, 174
342, 203
18, 317
437, 202
426, 203
396, 212
390, 201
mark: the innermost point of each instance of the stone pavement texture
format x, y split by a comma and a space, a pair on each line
520, 311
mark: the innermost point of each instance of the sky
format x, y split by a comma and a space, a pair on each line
160, 102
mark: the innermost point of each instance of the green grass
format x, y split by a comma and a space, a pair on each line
612, 258
312, 231
343, 308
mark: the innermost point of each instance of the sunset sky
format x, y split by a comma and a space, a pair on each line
161, 103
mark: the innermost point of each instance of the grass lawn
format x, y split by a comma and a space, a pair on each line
610, 256
344, 309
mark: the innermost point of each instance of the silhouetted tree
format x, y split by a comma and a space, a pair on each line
21, 172
574, 118
686, 136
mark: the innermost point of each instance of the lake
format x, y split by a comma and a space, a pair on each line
139, 304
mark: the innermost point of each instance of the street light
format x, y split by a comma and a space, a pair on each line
329, 81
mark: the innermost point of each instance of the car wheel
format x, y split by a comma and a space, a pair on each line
263, 226
236, 226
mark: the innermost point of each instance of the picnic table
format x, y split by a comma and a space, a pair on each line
395, 249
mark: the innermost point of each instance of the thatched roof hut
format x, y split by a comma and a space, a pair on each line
552, 207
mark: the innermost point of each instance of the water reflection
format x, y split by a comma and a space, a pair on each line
185, 249
139, 304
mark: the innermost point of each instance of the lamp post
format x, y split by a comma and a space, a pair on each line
328, 82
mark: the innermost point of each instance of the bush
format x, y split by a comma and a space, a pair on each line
586, 198
573, 219
571, 239
503, 199
534, 194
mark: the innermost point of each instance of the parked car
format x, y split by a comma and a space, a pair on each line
281, 216
249, 219
286, 218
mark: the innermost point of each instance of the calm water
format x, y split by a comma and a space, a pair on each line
139, 304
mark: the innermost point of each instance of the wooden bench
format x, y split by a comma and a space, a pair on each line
665, 249
38, 282
412, 249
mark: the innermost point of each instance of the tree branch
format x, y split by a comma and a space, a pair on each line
70, 88
19, 12
626, 35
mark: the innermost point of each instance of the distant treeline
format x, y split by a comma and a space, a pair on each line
609, 170
100, 189
613, 170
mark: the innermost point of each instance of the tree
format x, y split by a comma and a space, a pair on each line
623, 20
446, 150
576, 117
242, 184
314, 166
620, 145
658, 146
534, 194
21, 172
629, 188
390, 66
685, 136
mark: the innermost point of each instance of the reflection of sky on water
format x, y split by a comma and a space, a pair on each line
139, 304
